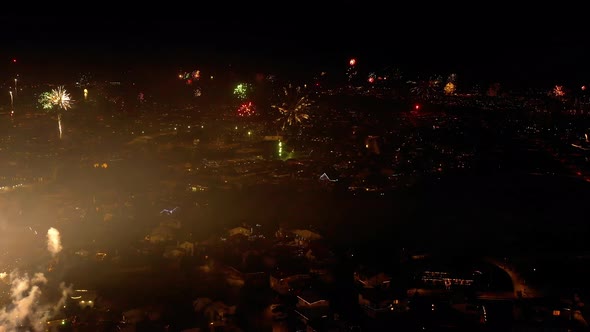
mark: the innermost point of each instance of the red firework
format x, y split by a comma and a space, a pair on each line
246, 109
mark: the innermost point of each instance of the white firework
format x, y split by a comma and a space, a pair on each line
59, 98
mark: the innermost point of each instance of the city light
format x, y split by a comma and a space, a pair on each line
309, 164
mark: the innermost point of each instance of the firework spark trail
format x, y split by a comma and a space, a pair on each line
25, 292
59, 127
53, 241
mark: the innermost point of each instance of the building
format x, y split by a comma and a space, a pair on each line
84, 298
312, 307
378, 302
285, 282
370, 278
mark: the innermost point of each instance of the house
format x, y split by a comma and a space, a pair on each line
53, 325
372, 278
171, 223
242, 275
286, 282
160, 234
376, 302
218, 311
240, 231
312, 306
84, 298
310, 298
325, 178
321, 272
305, 236
330, 325
187, 247
318, 251
172, 252
446, 280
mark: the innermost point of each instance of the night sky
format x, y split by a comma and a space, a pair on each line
486, 43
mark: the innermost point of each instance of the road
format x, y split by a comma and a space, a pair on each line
518, 283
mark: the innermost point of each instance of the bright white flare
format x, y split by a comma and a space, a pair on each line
53, 241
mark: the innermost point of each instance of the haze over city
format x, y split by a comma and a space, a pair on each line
313, 169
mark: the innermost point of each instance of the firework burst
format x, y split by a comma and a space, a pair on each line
241, 90
56, 98
246, 109
427, 89
294, 108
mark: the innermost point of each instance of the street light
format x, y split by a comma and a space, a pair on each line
15, 87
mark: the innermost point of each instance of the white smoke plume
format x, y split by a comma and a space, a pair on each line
25, 309
53, 241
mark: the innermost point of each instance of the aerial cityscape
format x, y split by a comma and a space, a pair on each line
158, 183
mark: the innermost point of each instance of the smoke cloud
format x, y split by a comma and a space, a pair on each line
25, 309
53, 241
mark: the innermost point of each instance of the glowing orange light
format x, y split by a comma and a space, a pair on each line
417, 107
371, 79
13, 60
583, 88
352, 62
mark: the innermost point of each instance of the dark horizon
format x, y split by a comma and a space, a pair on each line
512, 50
